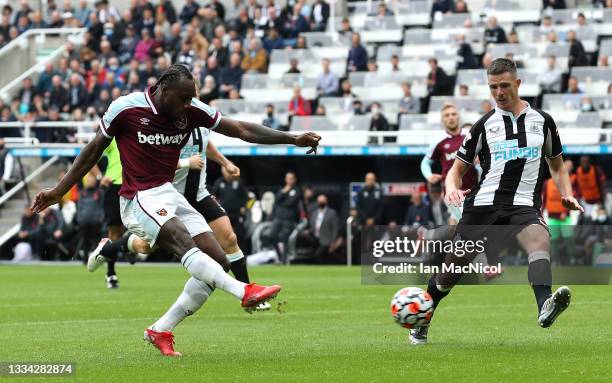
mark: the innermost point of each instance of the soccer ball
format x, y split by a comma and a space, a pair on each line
412, 307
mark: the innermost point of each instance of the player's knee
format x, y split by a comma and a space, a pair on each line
229, 240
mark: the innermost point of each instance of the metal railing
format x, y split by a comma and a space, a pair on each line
21, 54
23, 183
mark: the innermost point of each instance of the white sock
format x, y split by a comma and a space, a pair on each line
194, 295
233, 257
207, 270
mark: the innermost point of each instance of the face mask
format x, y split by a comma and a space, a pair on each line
113, 67
1, 147
270, 114
586, 107
601, 218
375, 111
322, 205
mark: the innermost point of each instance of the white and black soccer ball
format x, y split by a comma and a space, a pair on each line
412, 307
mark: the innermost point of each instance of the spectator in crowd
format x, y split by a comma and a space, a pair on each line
581, 20
546, 26
234, 94
586, 105
295, 23
27, 245
371, 77
370, 202
233, 196
345, 28
6, 115
327, 83
465, 54
273, 41
553, 4
464, 90
513, 38
324, 227
209, 91
166, 8
220, 52
321, 111
82, 12
442, 6
358, 56
6, 167
551, 37
319, 16
256, 58
127, 45
293, 66
419, 213
437, 80
461, 7
298, 105
550, 80
347, 95
379, 122
286, 211
26, 95
212, 69
44, 80
572, 85
49, 233
300, 43
231, 76
357, 108
494, 34
577, 54
409, 104
77, 94
58, 95
486, 60
271, 121
143, 46
395, 64
603, 61
90, 215
591, 181
190, 9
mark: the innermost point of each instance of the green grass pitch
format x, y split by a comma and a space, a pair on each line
333, 330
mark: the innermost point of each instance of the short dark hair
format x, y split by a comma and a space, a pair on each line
500, 66
174, 74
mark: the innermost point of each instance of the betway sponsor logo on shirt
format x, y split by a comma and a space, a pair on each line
160, 139
509, 150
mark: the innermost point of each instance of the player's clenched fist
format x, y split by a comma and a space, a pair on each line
44, 199
456, 197
309, 139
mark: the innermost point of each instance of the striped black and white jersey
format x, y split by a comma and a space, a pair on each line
512, 151
190, 182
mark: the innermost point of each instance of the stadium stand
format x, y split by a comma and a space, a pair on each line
62, 66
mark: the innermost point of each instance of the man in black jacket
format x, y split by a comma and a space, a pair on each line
494, 34
286, 209
437, 80
370, 202
577, 55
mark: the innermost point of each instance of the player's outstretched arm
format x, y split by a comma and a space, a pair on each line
561, 177
259, 134
454, 194
88, 157
215, 155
